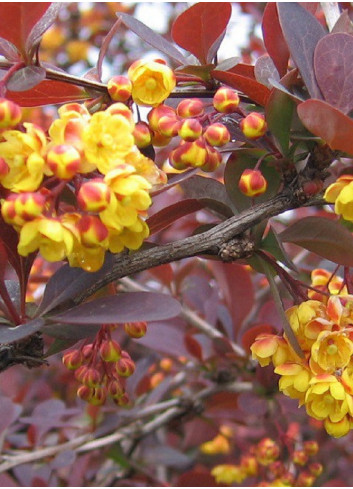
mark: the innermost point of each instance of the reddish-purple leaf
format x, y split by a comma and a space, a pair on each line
324, 237
196, 478
265, 70
200, 27
26, 78
165, 337
70, 331
252, 403
9, 412
302, 32
48, 92
273, 38
8, 50
172, 213
252, 88
152, 38
193, 347
42, 25
10, 334
333, 61
122, 308
343, 24
328, 123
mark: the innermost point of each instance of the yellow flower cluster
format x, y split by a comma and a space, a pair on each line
323, 379
105, 177
341, 194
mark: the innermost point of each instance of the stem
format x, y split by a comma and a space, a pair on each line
12, 312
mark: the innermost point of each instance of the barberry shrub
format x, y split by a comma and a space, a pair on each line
176, 292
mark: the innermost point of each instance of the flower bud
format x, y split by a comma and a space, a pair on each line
64, 161
166, 364
253, 126
88, 376
226, 100
315, 469
136, 330
119, 88
87, 351
305, 479
190, 130
311, 447
10, 114
110, 351
157, 113
122, 401
142, 135
214, 159
168, 126
252, 183
190, 107
189, 154
299, 457
125, 366
249, 465
159, 140
92, 231
98, 396
85, 393
217, 134
73, 359
94, 196
115, 389
267, 451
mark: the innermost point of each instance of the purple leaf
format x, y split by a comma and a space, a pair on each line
42, 25
343, 24
324, 237
166, 338
26, 78
165, 217
10, 334
9, 412
333, 61
63, 459
302, 32
8, 50
70, 331
265, 70
152, 38
251, 403
122, 308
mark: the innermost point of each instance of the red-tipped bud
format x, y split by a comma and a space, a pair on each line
311, 447
299, 457
190, 107
287, 479
88, 376
253, 126
305, 479
136, 330
313, 187
267, 451
115, 389
315, 469
10, 114
119, 88
249, 464
168, 126
73, 359
94, 196
190, 130
85, 393
123, 400
125, 366
110, 351
157, 113
99, 396
189, 154
19, 208
142, 135
252, 183
159, 140
226, 100
64, 161
217, 134
92, 231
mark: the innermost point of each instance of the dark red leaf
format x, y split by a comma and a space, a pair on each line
265, 70
48, 92
193, 347
152, 38
252, 88
328, 123
200, 26
244, 70
333, 60
343, 24
17, 20
273, 38
26, 78
164, 273
324, 237
42, 25
122, 308
302, 32
10, 334
172, 213
250, 335
8, 50
196, 478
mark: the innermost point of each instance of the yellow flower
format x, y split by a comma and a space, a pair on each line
152, 82
271, 348
23, 153
219, 444
294, 381
324, 280
228, 474
131, 237
107, 140
332, 351
341, 193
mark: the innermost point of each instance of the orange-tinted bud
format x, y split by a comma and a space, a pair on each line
217, 134
119, 88
10, 114
156, 379
88, 376
315, 469
4, 168
64, 161
73, 359
157, 113
267, 451
125, 366
159, 140
189, 154
214, 159
142, 135
94, 196
311, 447
136, 330
190, 130
305, 479
92, 231
122, 401
87, 351
115, 389
253, 126
190, 107
299, 457
168, 126
110, 351
99, 396
85, 393
252, 183
226, 100
249, 464
166, 364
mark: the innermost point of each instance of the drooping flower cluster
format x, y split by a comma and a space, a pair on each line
322, 379
80, 192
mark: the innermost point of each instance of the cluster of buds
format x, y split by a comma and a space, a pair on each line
322, 378
265, 461
102, 366
91, 157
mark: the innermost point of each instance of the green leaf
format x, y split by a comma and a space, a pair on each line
273, 245
279, 113
324, 237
